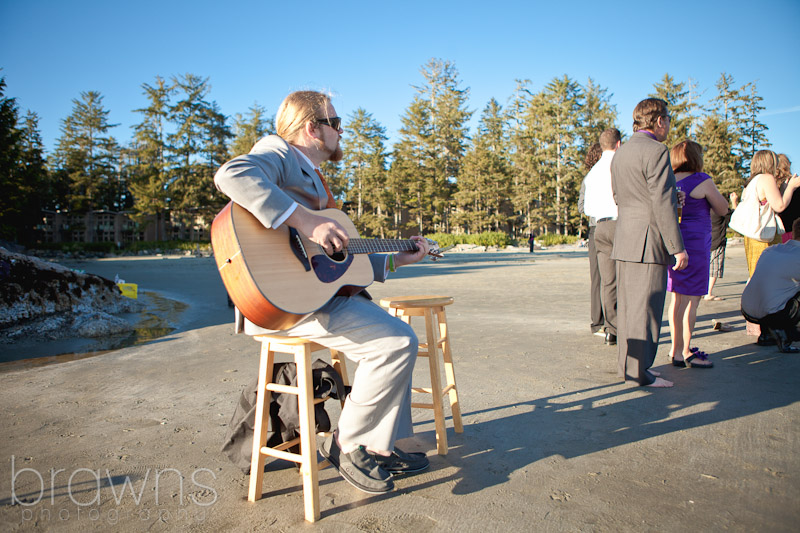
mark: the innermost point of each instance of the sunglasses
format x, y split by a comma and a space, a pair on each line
333, 122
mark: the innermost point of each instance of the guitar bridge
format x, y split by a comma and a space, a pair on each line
296, 244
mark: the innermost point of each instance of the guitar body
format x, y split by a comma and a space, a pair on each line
276, 277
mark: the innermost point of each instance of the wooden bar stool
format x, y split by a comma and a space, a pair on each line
307, 458
432, 308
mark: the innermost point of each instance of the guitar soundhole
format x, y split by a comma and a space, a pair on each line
329, 269
338, 256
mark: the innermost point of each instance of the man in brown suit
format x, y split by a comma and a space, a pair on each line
646, 237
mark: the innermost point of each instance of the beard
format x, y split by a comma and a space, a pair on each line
334, 154
337, 154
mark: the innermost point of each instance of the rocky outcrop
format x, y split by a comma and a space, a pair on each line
42, 298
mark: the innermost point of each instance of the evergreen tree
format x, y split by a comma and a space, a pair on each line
25, 187
722, 138
197, 148
35, 175
413, 171
484, 181
754, 132
680, 108
527, 123
719, 160
364, 172
561, 104
728, 103
247, 130
88, 156
12, 189
446, 102
148, 155
597, 114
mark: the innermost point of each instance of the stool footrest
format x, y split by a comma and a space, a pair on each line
422, 405
288, 444
286, 456
284, 389
439, 343
426, 390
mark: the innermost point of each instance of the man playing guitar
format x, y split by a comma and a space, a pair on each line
280, 174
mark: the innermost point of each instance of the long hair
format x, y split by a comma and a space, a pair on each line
784, 168
764, 162
593, 155
298, 109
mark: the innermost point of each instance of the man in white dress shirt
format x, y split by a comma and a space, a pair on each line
599, 203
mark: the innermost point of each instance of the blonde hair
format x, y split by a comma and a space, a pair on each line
764, 162
297, 110
784, 168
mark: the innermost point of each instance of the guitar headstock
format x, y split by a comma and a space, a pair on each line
435, 251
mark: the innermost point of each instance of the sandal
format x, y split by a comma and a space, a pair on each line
721, 326
710, 298
696, 354
680, 363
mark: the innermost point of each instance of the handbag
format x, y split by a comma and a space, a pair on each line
753, 220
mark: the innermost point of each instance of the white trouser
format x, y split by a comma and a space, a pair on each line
378, 410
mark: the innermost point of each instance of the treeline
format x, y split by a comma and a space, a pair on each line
519, 171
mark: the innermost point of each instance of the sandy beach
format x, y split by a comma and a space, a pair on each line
129, 440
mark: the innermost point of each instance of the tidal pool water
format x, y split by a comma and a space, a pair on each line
159, 317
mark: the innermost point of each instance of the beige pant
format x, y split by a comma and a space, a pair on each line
378, 409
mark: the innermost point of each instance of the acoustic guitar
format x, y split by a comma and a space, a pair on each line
276, 277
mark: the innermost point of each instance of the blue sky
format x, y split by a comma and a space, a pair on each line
368, 54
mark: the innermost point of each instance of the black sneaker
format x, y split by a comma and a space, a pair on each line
401, 462
765, 339
358, 468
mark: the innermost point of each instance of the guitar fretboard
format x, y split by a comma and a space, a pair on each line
368, 246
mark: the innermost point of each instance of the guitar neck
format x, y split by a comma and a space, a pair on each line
369, 246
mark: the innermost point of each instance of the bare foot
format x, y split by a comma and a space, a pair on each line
654, 372
660, 383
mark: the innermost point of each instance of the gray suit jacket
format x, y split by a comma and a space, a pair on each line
644, 189
272, 176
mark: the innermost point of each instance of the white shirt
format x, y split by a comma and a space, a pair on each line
599, 197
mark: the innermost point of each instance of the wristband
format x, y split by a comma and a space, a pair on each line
391, 263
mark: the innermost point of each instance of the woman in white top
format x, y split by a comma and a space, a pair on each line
764, 170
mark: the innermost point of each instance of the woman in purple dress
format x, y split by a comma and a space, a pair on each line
689, 285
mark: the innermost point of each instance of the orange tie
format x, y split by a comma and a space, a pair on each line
331, 202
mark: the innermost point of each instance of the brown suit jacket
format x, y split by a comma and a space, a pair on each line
644, 189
